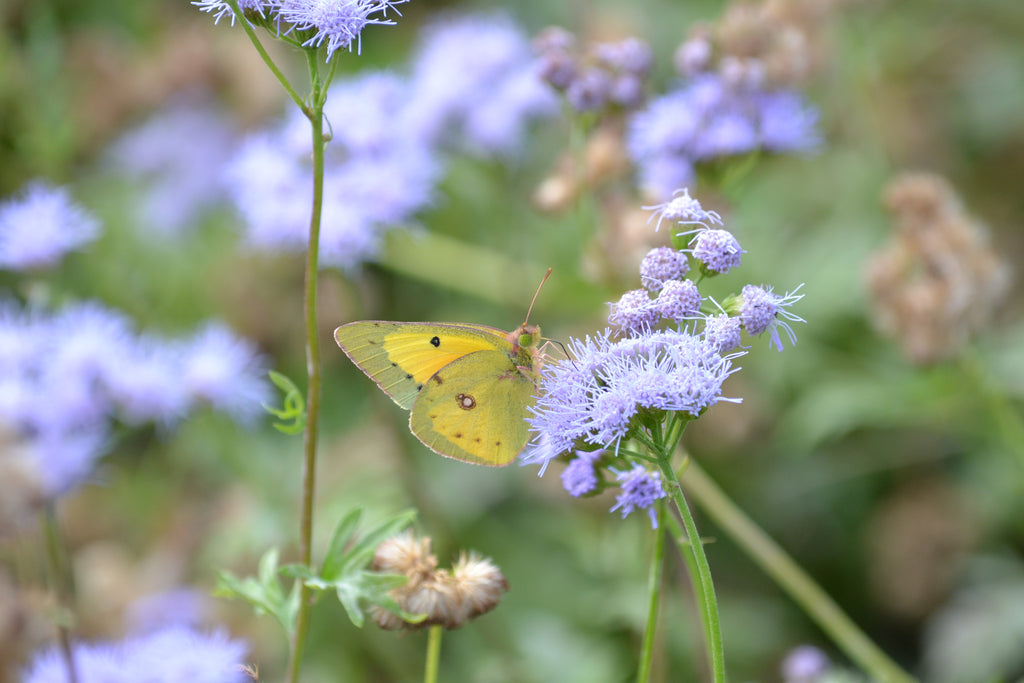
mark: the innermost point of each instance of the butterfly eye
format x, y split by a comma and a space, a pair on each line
526, 340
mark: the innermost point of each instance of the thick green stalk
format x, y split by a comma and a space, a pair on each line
788, 574
654, 597
312, 370
433, 654
706, 592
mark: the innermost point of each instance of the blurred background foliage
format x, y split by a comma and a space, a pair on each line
895, 486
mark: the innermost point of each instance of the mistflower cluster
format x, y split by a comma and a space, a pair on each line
64, 376
449, 598
666, 358
42, 224
178, 155
312, 23
939, 280
471, 87
474, 85
610, 75
708, 118
170, 655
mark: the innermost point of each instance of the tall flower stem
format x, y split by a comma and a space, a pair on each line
695, 548
63, 587
654, 597
316, 120
788, 574
433, 654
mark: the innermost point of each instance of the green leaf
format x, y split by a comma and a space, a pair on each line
264, 593
293, 412
339, 560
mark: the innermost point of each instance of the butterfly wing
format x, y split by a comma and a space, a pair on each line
474, 409
400, 357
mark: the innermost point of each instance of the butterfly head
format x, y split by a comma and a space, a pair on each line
524, 337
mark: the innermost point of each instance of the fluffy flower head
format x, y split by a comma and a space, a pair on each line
640, 489
40, 226
339, 23
761, 310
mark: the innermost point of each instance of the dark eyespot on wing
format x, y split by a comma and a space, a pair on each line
435, 342
437, 378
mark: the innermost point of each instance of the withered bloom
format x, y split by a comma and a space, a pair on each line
449, 598
938, 281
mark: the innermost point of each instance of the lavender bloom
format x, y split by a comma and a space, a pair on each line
220, 9
179, 607
761, 310
378, 172
40, 226
723, 332
640, 489
717, 250
579, 477
683, 209
475, 85
170, 655
339, 23
594, 398
706, 119
634, 312
662, 264
179, 154
65, 376
804, 664
678, 300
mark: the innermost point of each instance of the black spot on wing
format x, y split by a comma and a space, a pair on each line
435, 341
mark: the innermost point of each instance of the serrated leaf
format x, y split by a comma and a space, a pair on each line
265, 593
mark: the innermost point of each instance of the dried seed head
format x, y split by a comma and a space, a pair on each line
405, 554
938, 281
479, 583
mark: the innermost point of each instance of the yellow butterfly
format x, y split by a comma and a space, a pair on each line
468, 386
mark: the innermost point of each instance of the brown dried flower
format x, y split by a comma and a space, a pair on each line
473, 587
938, 281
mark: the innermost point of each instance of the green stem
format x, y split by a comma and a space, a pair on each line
63, 587
706, 591
654, 597
777, 564
679, 536
433, 654
312, 371
266, 57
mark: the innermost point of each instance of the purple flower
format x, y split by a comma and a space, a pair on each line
170, 655
723, 332
717, 250
220, 9
179, 607
634, 312
804, 664
476, 85
41, 225
379, 171
678, 300
684, 210
225, 371
707, 118
640, 489
589, 91
179, 154
761, 310
579, 477
662, 264
339, 23
594, 397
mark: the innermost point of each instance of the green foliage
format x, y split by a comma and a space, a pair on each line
264, 591
293, 413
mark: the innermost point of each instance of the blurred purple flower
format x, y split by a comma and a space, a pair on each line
804, 664
171, 655
476, 84
64, 376
378, 173
579, 477
706, 119
41, 225
179, 154
176, 607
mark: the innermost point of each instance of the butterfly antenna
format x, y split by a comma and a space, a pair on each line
535, 295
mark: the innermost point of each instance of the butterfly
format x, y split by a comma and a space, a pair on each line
468, 386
